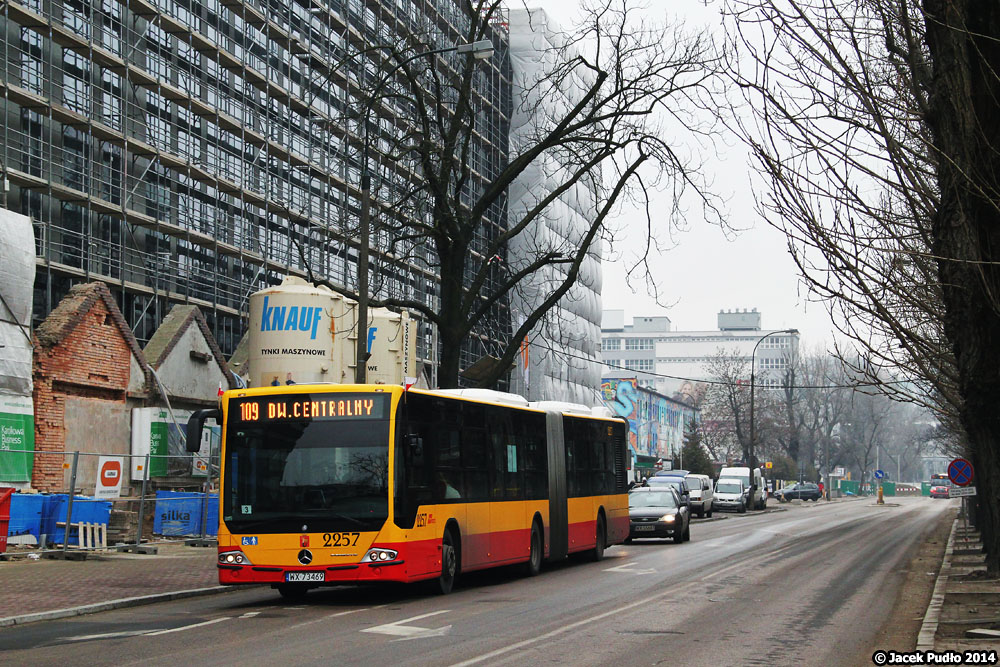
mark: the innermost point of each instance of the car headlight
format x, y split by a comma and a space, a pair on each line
667, 518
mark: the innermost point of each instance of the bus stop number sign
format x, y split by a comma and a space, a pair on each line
960, 472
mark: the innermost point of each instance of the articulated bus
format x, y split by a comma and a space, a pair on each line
334, 484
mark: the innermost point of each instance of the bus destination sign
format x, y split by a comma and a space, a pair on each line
309, 407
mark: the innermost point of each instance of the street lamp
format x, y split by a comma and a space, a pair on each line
753, 370
480, 50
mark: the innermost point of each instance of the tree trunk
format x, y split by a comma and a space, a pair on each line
964, 115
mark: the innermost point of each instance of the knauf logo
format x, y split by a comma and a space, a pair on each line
290, 318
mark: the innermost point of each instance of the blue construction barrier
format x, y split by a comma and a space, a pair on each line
38, 514
181, 512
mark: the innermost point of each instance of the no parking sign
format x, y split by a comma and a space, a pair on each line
109, 477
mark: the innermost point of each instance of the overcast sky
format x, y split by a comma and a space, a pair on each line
706, 272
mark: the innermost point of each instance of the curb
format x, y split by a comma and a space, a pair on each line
928, 629
112, 604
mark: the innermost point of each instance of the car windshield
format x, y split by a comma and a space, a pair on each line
320, 467
728, 487
663, 481
652, 499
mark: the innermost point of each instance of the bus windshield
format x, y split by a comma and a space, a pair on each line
296, 464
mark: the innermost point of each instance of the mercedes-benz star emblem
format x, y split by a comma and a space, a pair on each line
305, 557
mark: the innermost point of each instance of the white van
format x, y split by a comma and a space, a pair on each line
730, 494
759, 500
702, 493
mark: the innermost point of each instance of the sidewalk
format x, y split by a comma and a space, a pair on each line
42, 589
964, 611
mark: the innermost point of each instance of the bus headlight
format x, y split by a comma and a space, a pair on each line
233, 558
379, 555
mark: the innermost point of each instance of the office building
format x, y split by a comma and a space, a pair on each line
195, 151
672, 362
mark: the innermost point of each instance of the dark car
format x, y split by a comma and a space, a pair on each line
679, 484
804, 491
940, 491
657, 511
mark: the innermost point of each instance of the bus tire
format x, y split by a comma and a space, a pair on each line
449, 563
600, 540
293, 591
534, 565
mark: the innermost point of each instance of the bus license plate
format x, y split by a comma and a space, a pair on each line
645, 527
304, 576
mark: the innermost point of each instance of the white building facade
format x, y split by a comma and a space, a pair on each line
561, 360
672, 362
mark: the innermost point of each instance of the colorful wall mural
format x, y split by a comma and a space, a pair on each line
656, 423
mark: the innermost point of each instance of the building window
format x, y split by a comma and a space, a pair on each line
638, 343
645, 365
611, 344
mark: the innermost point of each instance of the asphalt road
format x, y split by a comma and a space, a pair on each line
811, 584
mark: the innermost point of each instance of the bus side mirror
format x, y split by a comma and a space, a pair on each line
194, 426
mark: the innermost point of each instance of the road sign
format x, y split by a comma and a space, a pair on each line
879, 474
837, 472
960, 472
769, 465
959, 491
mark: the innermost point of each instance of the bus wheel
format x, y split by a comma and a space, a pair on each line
293, 591
601, 540
449, 563
534, 564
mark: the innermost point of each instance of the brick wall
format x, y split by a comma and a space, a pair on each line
82, 350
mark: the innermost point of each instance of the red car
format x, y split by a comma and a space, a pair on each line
940, 492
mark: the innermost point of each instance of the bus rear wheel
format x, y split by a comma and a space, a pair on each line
449, 563
601, 539
534, 564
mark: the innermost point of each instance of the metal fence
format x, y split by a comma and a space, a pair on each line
116, 501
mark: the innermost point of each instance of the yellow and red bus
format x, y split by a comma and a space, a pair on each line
333, 484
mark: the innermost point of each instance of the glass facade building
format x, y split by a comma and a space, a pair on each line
197, 151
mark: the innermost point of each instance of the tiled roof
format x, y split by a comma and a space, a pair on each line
172, 329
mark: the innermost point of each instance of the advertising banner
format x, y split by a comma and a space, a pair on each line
110, 471
17, 438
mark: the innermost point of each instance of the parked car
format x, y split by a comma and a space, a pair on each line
731, 494
940, 491
679, 484
657, 511
801, 491
742, 473
702, 493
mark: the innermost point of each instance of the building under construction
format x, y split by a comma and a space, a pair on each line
196, 151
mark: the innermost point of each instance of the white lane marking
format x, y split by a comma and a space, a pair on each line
404, 632
250, 614
627, 568
188, 627
107, 635
339, 613
592, 619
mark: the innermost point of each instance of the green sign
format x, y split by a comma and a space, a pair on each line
158, 448
17, 439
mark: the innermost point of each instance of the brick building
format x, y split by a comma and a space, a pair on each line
88, 374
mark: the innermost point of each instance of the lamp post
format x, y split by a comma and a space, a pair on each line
753, 382
480, 50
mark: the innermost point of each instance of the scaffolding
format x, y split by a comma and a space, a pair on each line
196, 151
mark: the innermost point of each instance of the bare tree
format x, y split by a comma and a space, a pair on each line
611, 111
875, 125
726, 407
